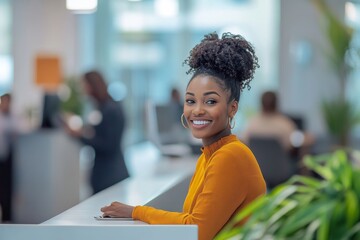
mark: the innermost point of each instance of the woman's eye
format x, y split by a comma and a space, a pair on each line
210, 102
189, 101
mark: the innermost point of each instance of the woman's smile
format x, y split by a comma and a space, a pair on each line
199, 124
207, 109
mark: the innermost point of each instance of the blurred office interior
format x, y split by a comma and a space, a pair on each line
140, 45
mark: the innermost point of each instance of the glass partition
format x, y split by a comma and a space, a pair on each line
142, 45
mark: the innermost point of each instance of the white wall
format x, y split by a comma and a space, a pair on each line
305, 80
40, 27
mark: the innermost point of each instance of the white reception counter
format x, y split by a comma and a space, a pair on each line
134, 191
164, 188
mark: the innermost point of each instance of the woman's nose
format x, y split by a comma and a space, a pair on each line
198, 109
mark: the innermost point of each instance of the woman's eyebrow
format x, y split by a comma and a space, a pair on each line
205, 94
212, 92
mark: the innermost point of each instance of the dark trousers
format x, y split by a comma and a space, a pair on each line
6, 187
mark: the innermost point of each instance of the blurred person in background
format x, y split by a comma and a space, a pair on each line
176, 104
270, 122
179, 134
11, 125
227, 176
104, 134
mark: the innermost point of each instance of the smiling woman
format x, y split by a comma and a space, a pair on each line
207, 110
227, 176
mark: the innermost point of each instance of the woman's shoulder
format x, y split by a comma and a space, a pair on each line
235, 156
235, 146
236, 151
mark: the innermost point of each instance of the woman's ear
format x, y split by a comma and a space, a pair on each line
234, 105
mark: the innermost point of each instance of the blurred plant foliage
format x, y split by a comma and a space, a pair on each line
71, 97
340, 116
339, 36
324, 208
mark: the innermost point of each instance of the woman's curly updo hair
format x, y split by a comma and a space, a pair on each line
231, 60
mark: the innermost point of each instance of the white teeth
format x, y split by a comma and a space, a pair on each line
201, 122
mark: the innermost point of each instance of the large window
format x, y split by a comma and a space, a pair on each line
148, 41
6, 73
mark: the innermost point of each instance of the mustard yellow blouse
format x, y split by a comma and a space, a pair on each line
226, 179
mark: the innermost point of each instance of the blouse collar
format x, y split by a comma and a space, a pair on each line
210, 149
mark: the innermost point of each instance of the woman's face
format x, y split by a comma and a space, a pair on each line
5, 104
207, 110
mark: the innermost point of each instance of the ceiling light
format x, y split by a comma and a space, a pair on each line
82, 6
167, 8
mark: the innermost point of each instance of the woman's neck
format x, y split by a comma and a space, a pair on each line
216, 137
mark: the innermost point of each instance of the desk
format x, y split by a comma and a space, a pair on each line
78, 222
124, 232
46, 175
133, 191
164, 186
165, 190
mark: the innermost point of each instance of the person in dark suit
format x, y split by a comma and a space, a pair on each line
104, 134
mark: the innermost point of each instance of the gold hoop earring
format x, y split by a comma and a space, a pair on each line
182, 121
231, 127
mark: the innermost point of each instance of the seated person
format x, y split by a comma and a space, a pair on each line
270, 122
227, 176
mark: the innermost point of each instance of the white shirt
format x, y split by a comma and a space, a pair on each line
270, 125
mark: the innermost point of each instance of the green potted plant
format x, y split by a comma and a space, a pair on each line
341, 117
324, 208
339, 114
71, 97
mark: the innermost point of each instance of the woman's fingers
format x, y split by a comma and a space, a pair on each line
110, 214
113, 205
106, 208
116, 209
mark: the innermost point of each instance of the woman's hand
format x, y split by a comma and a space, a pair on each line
67, 120
116, 209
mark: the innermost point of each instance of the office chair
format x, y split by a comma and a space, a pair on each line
274, 161
298, 121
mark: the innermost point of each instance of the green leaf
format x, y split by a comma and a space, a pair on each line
256, 204
323, 231
311, 230
311, 182
304, 199
304, 216
232, 233
281, 212
338, 213
356, 182
352, 208
355, 230
325, 172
